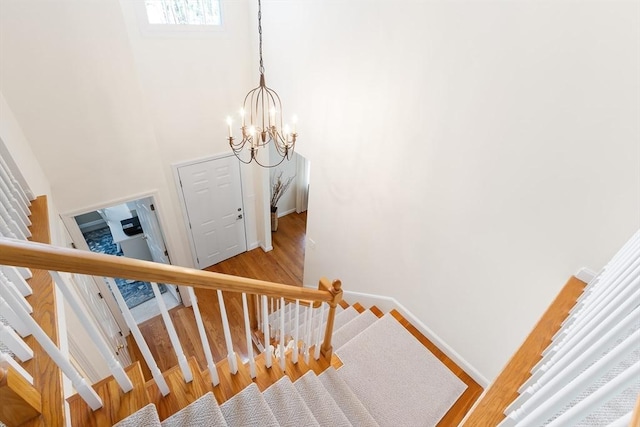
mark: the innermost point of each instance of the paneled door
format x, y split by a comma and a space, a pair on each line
212, 195
146, 210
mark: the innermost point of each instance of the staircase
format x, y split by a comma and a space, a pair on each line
306, 393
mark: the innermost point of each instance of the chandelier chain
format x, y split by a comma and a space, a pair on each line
260, 34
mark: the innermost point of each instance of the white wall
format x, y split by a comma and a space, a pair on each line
468, 157
108, 111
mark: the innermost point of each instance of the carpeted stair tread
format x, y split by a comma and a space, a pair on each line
320, 402
248, 408
353, 409
147, 417
203, 412
344, 317
351, 329
287, 405
371, 369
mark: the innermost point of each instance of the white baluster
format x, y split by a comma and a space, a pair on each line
12, 224
5, 230
576, 361
598, 398
602, 285
258, 311
9, 192
84, 390
581, 342
22, 194
15, 343
7, 360
247, 333
294, 354
534, 416
316, 352
173, 335
213, 370
265, 332
622, 284
140, 341
14, 276
309, 327
6, 203
13, 319
282, 345
231, 355
114, 366
12, 288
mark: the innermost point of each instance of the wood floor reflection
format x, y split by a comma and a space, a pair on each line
284, 264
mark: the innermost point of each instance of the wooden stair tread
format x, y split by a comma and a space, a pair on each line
504, 389
375, 310
182, 393
116, 403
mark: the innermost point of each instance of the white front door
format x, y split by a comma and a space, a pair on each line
213, 202
146, 211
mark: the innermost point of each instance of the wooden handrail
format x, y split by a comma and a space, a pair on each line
46, 257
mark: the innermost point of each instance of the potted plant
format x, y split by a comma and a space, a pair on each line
278, 188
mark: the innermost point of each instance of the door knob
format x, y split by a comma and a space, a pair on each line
240, 216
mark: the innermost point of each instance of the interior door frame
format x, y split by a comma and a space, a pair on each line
68, 218
183, 203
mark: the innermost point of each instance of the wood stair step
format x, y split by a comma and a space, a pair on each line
181, 393
117, 405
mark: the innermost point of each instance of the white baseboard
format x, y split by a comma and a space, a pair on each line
253, 245
387, 304
585, 274
266, 248
281, 214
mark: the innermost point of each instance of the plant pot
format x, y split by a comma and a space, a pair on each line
274, 218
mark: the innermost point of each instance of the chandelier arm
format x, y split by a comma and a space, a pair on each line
282, 159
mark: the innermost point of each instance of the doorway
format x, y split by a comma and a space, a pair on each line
211, 193
129, 229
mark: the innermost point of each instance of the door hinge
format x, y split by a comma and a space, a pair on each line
100, 295
190, 226
166, 252
73, 245
120, 332
153, 208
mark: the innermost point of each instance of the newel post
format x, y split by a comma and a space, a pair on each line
336, 290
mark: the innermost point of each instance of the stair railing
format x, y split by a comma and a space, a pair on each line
55, 259
593, 358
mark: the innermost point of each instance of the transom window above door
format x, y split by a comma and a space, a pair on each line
183, 12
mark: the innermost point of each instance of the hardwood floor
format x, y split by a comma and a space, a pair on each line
284, 264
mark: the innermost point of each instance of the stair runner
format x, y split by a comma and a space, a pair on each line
312, 400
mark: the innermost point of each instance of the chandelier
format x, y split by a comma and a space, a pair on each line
261, 118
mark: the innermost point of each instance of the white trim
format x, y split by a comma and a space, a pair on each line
585, 274
281, 214
68, 219
387, 304
267, 248
253, 245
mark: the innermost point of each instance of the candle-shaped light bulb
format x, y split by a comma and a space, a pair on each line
252, 132
242, 116
294, 120
229, 123
272, 116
